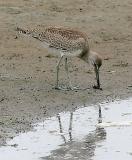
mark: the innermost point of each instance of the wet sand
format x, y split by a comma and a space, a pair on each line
28, 73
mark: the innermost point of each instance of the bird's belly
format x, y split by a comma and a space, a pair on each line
74, 53
58, 51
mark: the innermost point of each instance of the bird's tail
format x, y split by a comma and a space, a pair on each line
24, 31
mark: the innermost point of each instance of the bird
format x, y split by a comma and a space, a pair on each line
67, 42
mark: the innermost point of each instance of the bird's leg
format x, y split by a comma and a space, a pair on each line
67, 72
97, 78
69, 80
57, 79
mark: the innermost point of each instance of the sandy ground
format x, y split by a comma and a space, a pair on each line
28, 72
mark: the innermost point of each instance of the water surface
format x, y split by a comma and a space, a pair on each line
77, 135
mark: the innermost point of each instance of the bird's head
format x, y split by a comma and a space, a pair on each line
96, 60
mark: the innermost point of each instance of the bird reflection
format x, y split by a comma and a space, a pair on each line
60, 127
78, 149
70, 127
100, 115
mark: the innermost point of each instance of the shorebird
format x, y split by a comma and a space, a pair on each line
67, 43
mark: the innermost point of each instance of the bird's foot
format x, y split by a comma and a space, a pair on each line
77, 88
73, 88
68, 88
63, 88
97, 87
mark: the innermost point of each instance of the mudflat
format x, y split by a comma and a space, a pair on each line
28, 71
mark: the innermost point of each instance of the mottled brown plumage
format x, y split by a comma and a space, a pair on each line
67, 42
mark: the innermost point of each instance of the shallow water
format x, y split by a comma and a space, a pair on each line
77, 135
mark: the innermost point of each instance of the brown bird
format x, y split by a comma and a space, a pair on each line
67, 43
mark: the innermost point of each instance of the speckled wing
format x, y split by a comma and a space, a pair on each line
64, 40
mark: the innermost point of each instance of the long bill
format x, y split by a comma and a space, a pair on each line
97, 76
